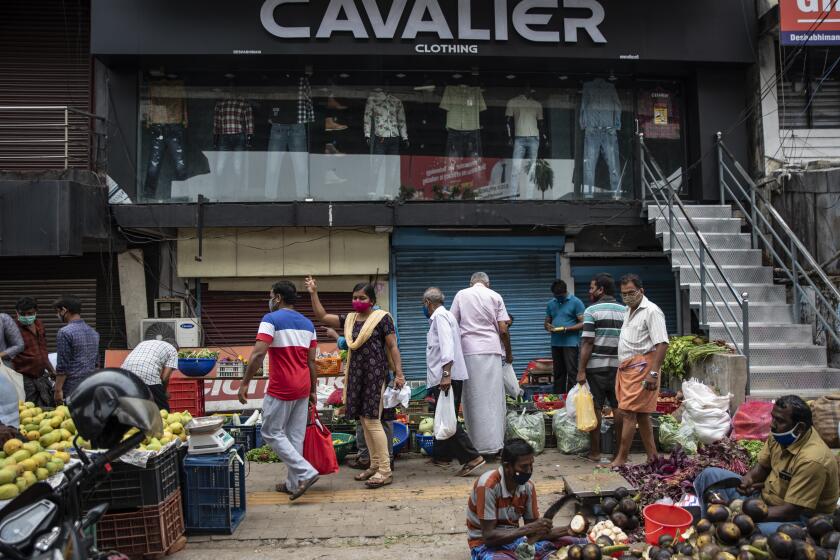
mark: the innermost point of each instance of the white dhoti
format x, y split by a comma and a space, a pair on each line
483, 402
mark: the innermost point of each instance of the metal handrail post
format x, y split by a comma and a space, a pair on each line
702, 285
753, 219
745, 320
66, 137
671, 222
639, 147
718, 138
797, 311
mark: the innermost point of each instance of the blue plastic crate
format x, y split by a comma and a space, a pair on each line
247, 436
214, 492
426, 443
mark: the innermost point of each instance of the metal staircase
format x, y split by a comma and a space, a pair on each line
731, 289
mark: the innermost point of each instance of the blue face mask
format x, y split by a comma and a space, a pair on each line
786, 439
426, 312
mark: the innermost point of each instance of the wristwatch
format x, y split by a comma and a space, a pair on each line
654, 374
445, 374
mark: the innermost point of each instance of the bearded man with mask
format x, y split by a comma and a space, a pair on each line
76, 347
796, 472
564, 320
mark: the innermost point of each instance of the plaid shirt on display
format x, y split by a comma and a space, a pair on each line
233, 116
306, 113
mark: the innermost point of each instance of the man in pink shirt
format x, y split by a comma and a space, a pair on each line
483, 321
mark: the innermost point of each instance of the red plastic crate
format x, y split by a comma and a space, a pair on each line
548, 405
186, 394
145, 531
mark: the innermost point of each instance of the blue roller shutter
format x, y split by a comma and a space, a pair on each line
523, 277
656, 275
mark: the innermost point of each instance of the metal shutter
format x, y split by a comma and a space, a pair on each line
656, 275
44, 61
232, 318
522, 277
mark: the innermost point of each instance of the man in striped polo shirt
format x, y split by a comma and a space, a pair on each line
499, 500
290, 341
599, 352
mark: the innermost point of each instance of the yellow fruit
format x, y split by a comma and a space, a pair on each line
183, 436
69, 426
65, 434
163, 414
24, 414
64, 456
38, 418
53, 467
20, 482
8, 461
41, 458
8, 475
33, 435
29, 404
174, 417
176, 427
45, 429
42, 473
56, 421
11, 446
58, 446
32, 446
49, 439
30, 478
166, 439
28, 465
9, 491
20, 455
2, 455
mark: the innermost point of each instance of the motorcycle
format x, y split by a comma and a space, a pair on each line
46, 523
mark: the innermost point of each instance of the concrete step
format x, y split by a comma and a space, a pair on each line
771, 382
710, 225
758, 293
759, 313
713, 240
764, 333
734, 274
724, 257
693, 210
788, 355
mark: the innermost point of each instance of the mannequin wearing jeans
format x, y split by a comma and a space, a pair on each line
166, 117
289, 120
463, 105
600, 119
233, 126
524, 126
385, 128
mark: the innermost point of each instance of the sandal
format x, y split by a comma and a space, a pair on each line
304, 486
379, 481
281, 487
468, 469
365, 475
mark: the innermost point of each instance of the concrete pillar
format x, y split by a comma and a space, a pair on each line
566, 267
132, 293
725, 373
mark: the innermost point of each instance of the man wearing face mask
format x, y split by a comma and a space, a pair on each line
499, 500
564, 320
33, 363
76, 345
796, 472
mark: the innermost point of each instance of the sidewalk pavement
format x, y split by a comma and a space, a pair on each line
422, 515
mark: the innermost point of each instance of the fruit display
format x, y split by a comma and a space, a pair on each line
173, 429
52, 429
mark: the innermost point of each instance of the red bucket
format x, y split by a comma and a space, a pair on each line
661, 519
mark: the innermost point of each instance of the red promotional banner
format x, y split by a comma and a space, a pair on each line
459, 178
812, 22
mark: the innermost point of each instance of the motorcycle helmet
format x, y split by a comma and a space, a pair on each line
109, 403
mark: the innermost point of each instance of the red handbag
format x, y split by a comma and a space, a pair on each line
318, 447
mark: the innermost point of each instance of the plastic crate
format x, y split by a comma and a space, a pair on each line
609, 441
425, 443
129, 487
328, 365
214, 492
246, 436
186, 394
145, 531
531, 390
230, 369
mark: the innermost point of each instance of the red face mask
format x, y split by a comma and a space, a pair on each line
360, 306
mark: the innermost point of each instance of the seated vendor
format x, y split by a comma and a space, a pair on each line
499, 500
796, 473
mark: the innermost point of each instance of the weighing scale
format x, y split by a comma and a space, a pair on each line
207, 436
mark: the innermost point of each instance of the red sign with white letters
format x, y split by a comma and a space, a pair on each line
809, 22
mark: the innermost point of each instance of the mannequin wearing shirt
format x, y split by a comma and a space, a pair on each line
600, 119
385, 128
525, 130
290, 113
463, 105
233, 127
165, 116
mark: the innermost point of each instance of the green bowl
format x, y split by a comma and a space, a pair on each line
342, 443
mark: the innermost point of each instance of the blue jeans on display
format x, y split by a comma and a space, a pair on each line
508, 551
230, 143
713, 475
524, 147
463, 143
287, 141
171, 138
599, 141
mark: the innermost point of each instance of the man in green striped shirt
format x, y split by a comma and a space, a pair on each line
599, 352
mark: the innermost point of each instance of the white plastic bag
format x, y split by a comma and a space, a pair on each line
530, 427
15, 379
708, 411
512, 388
569, 438
445, 420
393, 397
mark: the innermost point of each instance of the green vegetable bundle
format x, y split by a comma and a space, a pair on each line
262, 454
203, 353
685, 351
753, 447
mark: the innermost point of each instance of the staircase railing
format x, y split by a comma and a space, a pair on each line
733, 313
772, 234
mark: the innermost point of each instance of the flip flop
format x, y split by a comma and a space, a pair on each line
467, 470
441, 464
303, 488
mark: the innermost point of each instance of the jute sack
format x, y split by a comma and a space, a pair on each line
826, 412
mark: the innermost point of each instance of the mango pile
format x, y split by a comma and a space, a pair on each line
173, 428
52, 429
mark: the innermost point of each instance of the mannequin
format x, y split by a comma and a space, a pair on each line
289, 117
600, 119
166, 118
463, 105
525, 129
233, 128
385, 128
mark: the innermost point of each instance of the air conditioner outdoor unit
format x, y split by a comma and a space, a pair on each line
186, 333
169, 308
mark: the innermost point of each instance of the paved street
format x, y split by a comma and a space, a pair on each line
420, 516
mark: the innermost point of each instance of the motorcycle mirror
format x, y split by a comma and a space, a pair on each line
93, 515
